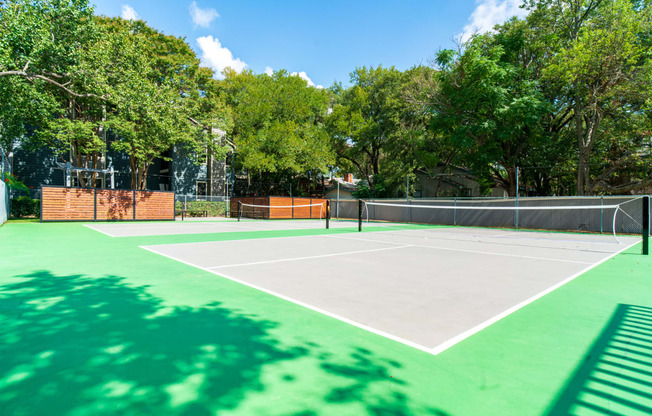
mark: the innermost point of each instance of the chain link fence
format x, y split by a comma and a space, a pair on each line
4, 189
606, 213
196, 205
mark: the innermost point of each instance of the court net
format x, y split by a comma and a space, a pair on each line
625, 216
316, 213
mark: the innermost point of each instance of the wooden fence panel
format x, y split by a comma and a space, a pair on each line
318, 211
154, 205
115, 205
67, 204
280, 212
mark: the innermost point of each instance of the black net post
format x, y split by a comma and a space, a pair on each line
359, 215
239, 210
646, 225
328, 213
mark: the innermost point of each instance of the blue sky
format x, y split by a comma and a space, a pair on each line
320, 41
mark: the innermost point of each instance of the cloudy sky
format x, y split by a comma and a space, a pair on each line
320, 41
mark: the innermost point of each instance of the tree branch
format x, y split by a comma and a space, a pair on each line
31, 76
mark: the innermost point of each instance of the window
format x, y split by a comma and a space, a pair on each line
202, 188
202, 156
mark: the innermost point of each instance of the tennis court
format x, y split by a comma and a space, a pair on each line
426, 287
207, 318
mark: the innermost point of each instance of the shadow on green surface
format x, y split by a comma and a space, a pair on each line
97, 346
616, 375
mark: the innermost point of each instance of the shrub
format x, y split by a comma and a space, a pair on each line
13, 183
215, 209
24, 206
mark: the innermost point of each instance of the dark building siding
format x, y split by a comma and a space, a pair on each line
36, 168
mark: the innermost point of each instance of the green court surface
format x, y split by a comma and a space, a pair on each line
95, 325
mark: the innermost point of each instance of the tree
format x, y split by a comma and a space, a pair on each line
277, 124
489, 104
365, 123
600, 64
153, 90
42, 45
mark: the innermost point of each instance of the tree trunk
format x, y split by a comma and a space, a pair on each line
580, 145
511, 181
134, 172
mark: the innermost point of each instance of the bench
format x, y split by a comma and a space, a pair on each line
184, 212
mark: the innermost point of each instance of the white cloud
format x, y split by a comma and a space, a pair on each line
218, 57
202, 17
269, 71
489, 13
306, 78
128, 13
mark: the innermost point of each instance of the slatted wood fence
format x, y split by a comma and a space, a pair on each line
59, 203
289, 211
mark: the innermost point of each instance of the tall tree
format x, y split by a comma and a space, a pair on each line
153, 88
277, 123
365, 123
489, 103
42, 46
600, 63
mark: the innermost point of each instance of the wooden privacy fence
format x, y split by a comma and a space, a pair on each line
59, 203
289, 211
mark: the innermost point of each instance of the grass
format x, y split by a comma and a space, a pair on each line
22, 220
94, 325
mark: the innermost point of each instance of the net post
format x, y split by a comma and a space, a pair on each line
646, 225
239, 210
359, 215
328, 213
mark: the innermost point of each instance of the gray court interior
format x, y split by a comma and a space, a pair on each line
422, 286
130, 229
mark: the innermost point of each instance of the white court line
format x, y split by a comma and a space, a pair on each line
300, 303
464, 335
307, 257
467, 251
95, 229
187, 224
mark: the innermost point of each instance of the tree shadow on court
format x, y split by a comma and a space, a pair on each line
75, 344
615, 377
372, 381
97, 346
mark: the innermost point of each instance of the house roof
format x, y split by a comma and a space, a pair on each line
349, 186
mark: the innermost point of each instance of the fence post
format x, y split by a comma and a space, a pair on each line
646, 225
133, 205
601, 212
359, 215
407, 200
516, 210
95, 204
455, 211
337, 206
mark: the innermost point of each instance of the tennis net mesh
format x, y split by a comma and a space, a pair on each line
613, 216
317, 212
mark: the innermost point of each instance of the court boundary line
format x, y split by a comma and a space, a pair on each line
233, 223
301, 303
99, 231
430, 350
466, 251
309, 257
474, 330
